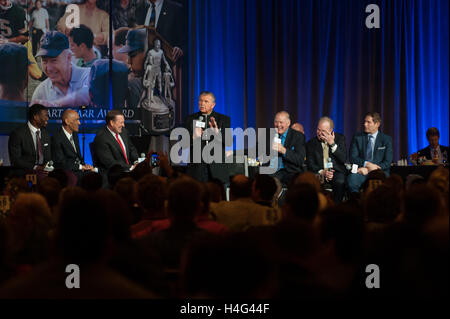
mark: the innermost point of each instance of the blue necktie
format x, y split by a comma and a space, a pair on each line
369, 151
280, 159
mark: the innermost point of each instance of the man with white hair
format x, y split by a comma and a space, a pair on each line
63, 78
290, 146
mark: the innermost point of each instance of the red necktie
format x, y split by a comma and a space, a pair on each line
121, 146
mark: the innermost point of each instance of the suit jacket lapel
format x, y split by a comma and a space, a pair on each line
77, 146
320, 151
30, 140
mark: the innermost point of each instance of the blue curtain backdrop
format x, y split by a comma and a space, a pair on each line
316, 57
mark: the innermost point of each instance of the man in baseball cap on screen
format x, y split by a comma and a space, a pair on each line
136, 47
64, 79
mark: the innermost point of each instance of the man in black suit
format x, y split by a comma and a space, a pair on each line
370, 150
290, 145
112, 145
326, 155
434, 152
29, 145
198, 124
66, 152
168, 19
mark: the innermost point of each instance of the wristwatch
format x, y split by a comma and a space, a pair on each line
332, 145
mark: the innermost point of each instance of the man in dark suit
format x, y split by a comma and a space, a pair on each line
290, 145
434, 152
370, 150
66, 152
198, 124
29, 145
326, 155
167, 18
112, 145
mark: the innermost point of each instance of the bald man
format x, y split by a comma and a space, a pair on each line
290, 146
66, 146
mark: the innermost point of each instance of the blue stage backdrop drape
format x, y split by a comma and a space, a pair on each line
316, 57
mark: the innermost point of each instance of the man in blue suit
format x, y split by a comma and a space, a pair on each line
370, 150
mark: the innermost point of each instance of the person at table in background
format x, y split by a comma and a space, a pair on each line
66, 152
370, 150
328, 147
29, 145
434, 152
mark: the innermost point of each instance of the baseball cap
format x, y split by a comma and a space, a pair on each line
99, 83
136, 40
53, 43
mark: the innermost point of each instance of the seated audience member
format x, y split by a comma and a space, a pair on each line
183, 204
89, 249
227, 267
127, 189
414, 179
371, 150
91, 182
50, 188
204, 219
264, 188
341, 232
439, 180
81, 44
241, 212
311, 179
434, 152
382, 205
14, 187
421, 204
151, 196
325, 149
301, 202
396, 182
66, 151
373, 180
290, 149
120, 37
216, 190
112, 144
65, 81
62, 177
29, 223
29, 145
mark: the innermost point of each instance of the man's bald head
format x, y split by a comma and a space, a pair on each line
240, 187
298, 127
282, 122
71, 121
